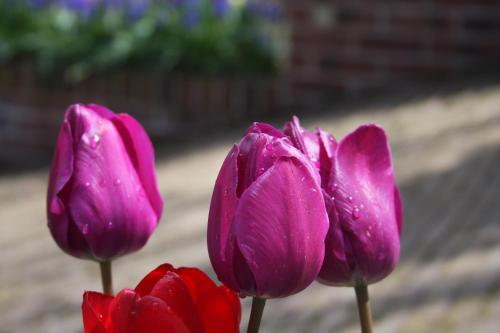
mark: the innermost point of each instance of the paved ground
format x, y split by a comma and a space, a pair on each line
447, 155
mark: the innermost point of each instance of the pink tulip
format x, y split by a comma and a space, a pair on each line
362, 199
267, 222
103, 199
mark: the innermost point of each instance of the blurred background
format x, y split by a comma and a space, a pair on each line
196, 73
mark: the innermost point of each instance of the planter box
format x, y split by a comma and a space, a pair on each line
31, 109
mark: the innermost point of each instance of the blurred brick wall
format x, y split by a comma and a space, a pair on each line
31, 109
350, 46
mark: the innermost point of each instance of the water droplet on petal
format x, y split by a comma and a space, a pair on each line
350, 199
110, 225
302, 179
261, 170
356, 214
368, 234
85, 229
269, 146
132, 312
94, 141
117, 181
314, 190
87, 184
101, 316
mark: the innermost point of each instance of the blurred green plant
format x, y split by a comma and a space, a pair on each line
197, 36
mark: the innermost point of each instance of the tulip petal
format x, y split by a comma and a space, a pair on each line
398, 204
256, 155
327, 143
172, 291
95, 309
365, 202
303, 140
60, 175
222, 208
327, 147
102, 111
280, 227
219, 307
338, 265
263, 128
148, 282
197, 282
234, 301
132, 314
152, 315
218, 312
122, 311
141, 152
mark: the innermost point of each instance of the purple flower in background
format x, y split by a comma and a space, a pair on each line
85, 8
362, 200
221, 7
191, 18
37, 4
191, 10
268, 10
176, 3
103, 200
117, 4
267, 221
137, 8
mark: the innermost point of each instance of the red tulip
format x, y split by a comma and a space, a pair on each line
167, 300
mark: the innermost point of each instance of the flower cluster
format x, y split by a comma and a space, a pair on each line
288, 207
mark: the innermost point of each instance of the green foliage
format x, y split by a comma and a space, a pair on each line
66, 45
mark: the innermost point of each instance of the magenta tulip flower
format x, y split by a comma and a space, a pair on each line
267, 222
103, 199
362, 199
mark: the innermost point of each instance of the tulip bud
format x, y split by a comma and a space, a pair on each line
167, 300
362, 200
103, 200
267, 221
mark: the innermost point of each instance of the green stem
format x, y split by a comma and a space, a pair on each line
364, 310
106, 276
256, 314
